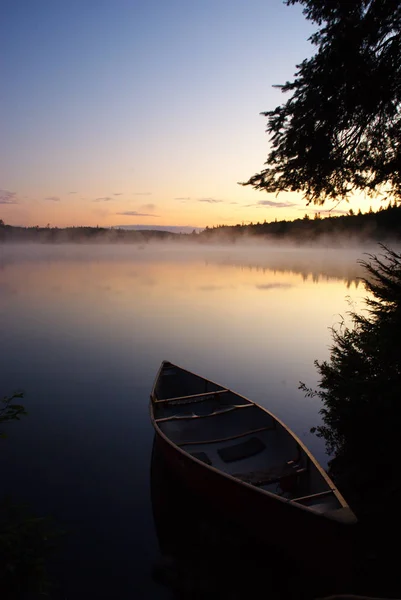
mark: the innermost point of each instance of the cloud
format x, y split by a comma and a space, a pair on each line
52, 198
135, 213
233, 202
103, 199
272, 204
210, 200
142, 193
117, 194
149, 207
183, 198
7, 197
73, 192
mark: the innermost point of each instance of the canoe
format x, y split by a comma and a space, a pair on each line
239, 457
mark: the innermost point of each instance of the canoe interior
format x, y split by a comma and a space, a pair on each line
235, 436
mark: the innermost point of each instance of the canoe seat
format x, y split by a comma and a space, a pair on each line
271, 475
242, 450
202, 456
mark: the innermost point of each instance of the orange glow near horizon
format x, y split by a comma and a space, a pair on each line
124, 209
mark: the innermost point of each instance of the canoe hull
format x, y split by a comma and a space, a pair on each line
305, 537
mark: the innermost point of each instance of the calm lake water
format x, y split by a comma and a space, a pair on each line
84, 329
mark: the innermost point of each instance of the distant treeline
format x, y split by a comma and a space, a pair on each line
56, 235
371, 226
376, 226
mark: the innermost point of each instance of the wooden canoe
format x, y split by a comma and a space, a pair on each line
241, 458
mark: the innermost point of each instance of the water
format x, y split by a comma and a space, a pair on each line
84, 329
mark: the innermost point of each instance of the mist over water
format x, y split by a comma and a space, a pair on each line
253, 253
84, 329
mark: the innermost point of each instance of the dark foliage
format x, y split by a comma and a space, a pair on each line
9, 411
360, 390
382, 226
361, 422
340, 130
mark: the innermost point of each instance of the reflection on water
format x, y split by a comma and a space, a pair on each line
80, 310
84, 330
308, 262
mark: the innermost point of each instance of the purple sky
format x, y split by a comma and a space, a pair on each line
122, 112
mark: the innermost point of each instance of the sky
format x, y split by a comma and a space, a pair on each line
127, 112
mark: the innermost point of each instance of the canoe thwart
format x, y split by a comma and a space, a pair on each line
191, 397
213, 414
311, 496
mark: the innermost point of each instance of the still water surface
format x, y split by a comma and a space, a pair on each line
84, 329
